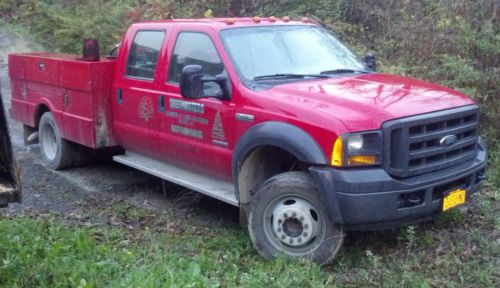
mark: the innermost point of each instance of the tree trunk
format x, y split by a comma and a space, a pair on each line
496, 12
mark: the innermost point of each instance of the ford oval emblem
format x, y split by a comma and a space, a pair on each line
448, 140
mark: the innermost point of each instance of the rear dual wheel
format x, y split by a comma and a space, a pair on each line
58, 153
288, 217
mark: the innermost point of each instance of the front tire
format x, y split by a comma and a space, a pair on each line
288, 217
58, 153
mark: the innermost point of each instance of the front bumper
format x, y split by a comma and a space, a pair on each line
370, 199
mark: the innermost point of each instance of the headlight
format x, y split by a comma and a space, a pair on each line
358, 149
355, 142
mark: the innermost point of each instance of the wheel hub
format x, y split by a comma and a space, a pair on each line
292, 227
294, 222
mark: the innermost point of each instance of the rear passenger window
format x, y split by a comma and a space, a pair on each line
193, 48
143, 55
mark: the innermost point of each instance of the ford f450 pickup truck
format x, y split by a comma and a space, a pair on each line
274, 116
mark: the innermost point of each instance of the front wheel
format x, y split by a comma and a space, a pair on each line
287, 216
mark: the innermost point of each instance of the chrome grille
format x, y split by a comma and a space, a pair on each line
412, 145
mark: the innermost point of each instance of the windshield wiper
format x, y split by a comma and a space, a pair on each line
342, 71
288, 75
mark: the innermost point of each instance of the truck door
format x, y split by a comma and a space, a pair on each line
197, 132
135, 117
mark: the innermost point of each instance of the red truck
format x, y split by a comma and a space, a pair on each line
276, 117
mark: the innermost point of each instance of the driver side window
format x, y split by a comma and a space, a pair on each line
192, 48
143, 56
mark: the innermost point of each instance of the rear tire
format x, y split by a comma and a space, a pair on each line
288, 217
58, 153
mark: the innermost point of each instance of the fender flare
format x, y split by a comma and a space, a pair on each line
42, 102
278, 134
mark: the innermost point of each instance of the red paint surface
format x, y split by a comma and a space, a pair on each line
323, 108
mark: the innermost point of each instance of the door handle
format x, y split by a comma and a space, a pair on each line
161, 103
119, 96
65, 98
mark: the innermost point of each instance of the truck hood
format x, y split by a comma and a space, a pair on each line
364, 102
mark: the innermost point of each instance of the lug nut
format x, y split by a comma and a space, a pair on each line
283, 236
291, 241
299, 240
279, 229
301, 218
285, 215
280, 221
294, 214
304, 234
306, 226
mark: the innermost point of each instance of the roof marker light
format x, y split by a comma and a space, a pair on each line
256, 19
230, 21
305, 19
272, 19
285, 19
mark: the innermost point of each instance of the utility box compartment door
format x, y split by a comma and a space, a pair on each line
43, 70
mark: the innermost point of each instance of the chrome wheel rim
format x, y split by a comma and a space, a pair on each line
49, 142
294, 225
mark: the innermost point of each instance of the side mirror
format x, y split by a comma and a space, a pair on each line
190, 83
192, 80
370, 61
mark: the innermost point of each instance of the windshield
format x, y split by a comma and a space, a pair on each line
278, 50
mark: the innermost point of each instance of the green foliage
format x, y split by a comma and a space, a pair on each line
44, 253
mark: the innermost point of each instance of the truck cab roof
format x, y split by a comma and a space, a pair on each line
224, 23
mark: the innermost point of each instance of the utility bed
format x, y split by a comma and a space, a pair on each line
76, 91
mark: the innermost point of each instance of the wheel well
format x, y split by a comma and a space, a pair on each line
261, 164
41, 109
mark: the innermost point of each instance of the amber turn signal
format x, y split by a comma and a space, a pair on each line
338, 153
362, 160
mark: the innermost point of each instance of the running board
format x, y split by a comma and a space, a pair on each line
218, 189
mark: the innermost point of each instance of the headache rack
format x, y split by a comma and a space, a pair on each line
414, 145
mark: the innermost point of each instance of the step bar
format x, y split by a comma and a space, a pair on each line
215, 188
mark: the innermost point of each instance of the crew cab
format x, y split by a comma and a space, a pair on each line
274, 116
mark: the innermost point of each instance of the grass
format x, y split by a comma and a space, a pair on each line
138, 247
46, 253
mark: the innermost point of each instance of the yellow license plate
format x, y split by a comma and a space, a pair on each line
455, 198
